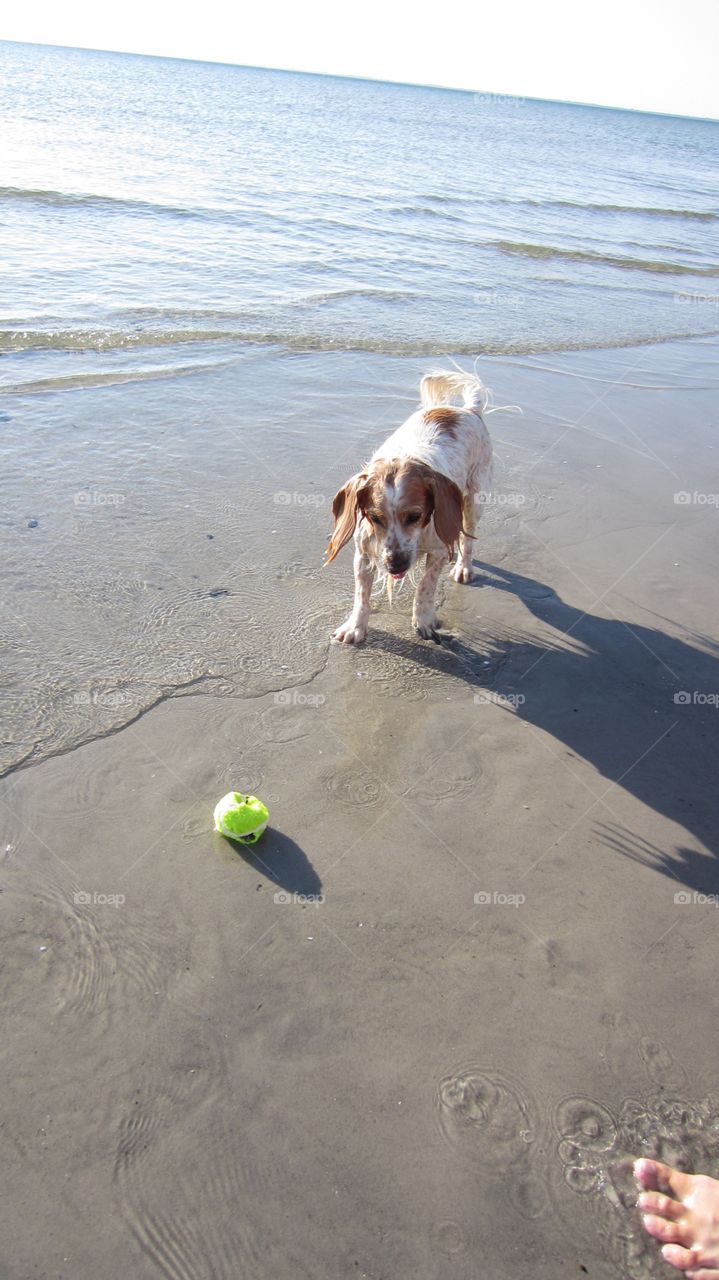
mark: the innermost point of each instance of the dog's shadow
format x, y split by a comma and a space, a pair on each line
636, 702
442, 656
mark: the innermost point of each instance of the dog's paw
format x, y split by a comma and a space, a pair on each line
463, 573
351, 632
427, 629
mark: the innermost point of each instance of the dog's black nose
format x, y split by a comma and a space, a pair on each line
397, 564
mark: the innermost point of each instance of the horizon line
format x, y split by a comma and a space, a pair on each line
331, 75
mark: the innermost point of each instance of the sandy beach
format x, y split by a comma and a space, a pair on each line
470, 969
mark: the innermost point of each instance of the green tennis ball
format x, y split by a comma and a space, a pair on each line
241, 817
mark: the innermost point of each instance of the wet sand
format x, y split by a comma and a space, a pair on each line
440, 1065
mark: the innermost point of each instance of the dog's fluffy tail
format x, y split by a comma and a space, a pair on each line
442, 387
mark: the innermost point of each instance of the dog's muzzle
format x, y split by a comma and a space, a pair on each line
397, 566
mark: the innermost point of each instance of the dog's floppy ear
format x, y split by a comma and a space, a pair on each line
347, 506
447, 510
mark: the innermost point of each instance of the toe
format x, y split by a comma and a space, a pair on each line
348, 634
652, 1175
682, 1259
645, 1172
668, 1231
656, 1203
428, 632
462, 574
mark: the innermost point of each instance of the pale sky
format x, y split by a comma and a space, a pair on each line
651, 55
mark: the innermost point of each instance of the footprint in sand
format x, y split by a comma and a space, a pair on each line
449, 1237
494, 1123
354, 787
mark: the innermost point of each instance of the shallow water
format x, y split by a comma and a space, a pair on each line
149, 202
545, 1148
166, 537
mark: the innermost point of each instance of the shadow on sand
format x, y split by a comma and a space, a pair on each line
633, 701
281, 861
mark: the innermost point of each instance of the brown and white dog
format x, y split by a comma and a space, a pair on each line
420, 496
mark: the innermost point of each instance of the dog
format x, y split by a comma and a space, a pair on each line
420, 497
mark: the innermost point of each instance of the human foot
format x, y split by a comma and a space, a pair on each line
681, 1210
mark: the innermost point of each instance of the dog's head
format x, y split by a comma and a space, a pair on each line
396, 500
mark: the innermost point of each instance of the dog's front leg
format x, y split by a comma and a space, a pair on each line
354, 630
463, 571
424, 618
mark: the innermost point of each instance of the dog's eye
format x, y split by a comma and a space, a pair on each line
412, 517
375, 518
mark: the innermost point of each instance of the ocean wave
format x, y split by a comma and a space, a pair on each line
359, 291
130, 204
290, 340
426, 210
446, 197
106, 339
529, 250
179, 328
699, 215
207, 213
77, 381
